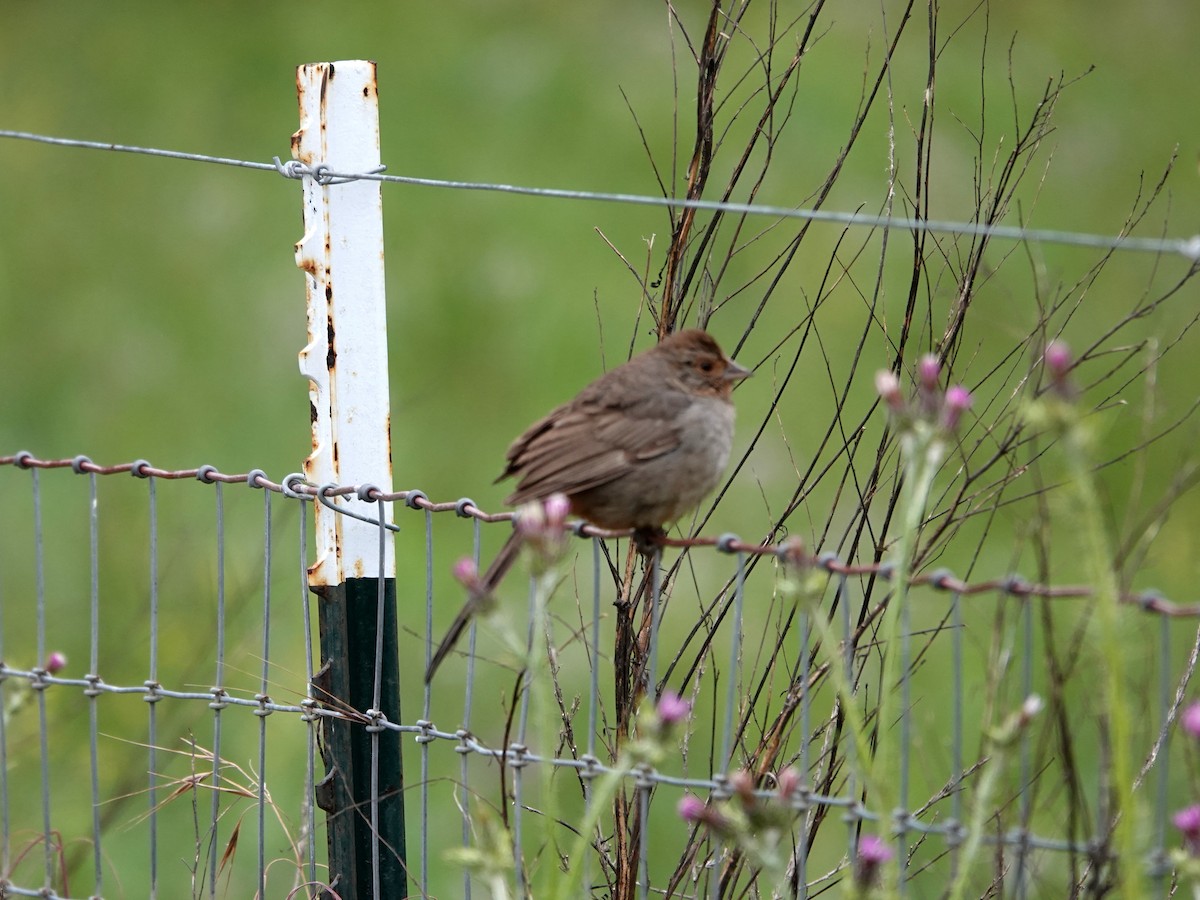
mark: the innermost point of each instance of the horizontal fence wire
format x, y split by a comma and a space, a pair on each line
1187, 247
791, 551
43, 815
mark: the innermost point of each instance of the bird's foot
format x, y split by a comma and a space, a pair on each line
648, 539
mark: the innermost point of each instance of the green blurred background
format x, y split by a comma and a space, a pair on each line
152, 308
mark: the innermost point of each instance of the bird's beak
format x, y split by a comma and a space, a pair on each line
735, 372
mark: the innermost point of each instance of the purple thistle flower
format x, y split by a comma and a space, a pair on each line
887, 385
873, 852
873, 849
929, 370
1057, 357
691, 808
466, 573
958, 400
789, 782
1190, 720
742, 783
1059, 362
672, 708
1187, 820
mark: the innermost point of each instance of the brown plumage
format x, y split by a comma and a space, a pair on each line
637, 448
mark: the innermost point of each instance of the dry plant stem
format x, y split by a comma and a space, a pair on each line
709, 65
628, 665
766, 756
607, 788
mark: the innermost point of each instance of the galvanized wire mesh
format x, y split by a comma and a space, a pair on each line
183, 728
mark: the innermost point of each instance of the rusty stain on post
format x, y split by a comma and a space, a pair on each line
341, 255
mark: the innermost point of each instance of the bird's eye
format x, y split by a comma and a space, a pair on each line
706, 365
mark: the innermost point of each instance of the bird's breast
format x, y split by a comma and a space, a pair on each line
659, 490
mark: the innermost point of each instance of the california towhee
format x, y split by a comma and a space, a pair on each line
638, 448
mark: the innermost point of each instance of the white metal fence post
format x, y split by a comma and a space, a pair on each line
345, 361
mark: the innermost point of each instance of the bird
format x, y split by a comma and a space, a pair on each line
636, 449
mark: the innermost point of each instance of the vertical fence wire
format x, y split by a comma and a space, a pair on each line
463, 788
536, 613
39, 561
518, 805
842, 599
1158, 860
724, 760
643, 801
594, 673
152, 695
5, 818
310, 763
801, 850
654, 573
377, 693
264, 688
1025, 801
593, 647
902, 811
956, 746
218, 692
93, 677
428, 716
735, 655
654, 565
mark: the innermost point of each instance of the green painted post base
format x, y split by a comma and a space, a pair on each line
346, 681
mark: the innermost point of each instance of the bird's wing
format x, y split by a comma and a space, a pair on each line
581, 446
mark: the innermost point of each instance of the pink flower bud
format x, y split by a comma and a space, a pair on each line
1058, 361
557, 508
887, 385
1190, 720
1030, 708
742, 783
672, 708
873, 849
958, 400
873, 852
55, 662
1188, 821
929, 370
466, 572
789, 782
691, 808
1057, 357
531, 520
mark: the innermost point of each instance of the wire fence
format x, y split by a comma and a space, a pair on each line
198, 725
153, 786
1187, 247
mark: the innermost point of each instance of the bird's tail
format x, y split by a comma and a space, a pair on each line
479, 597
